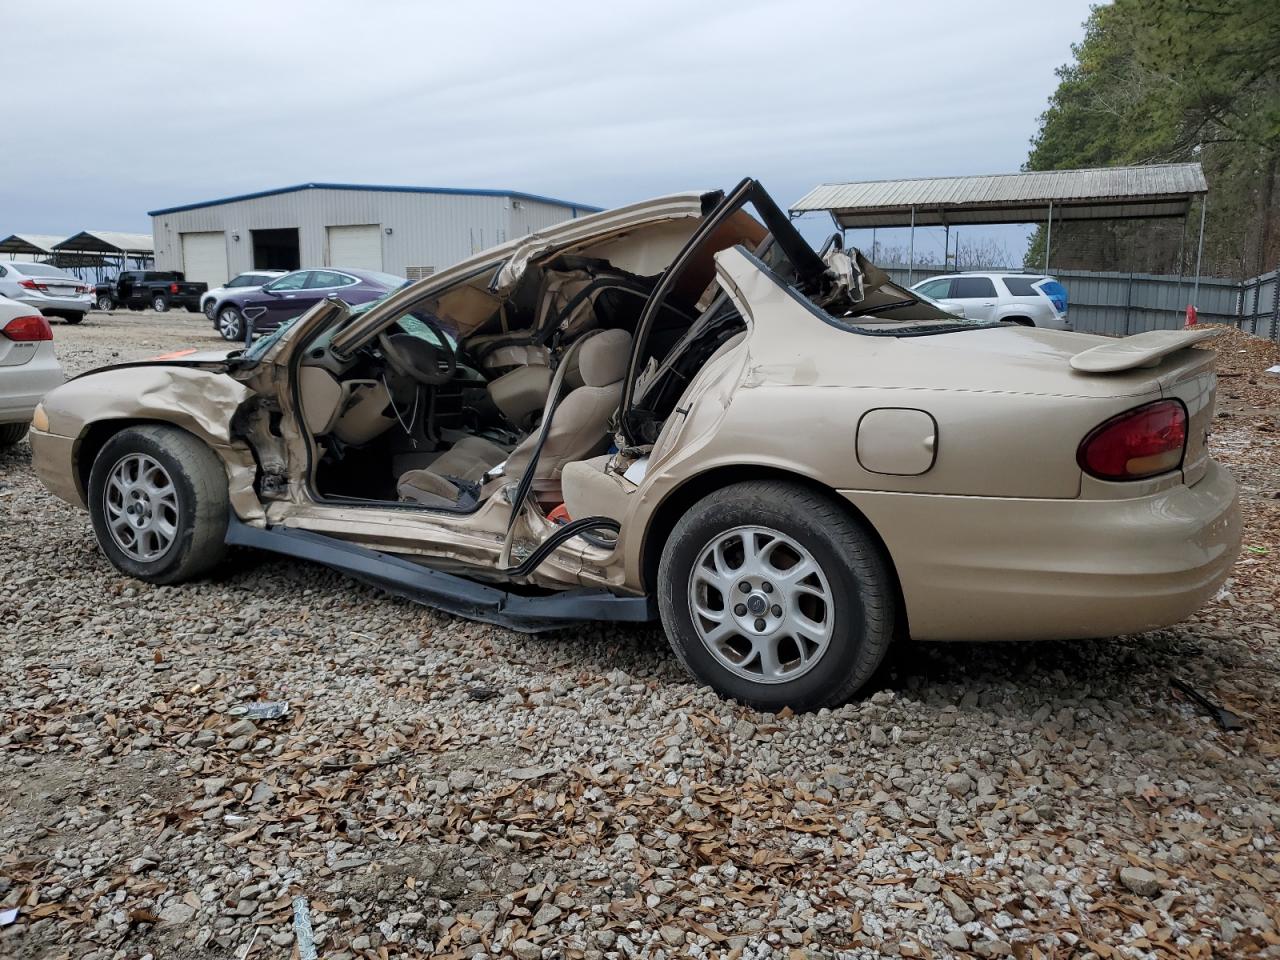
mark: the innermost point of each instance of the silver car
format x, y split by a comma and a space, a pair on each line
28, 367
244, 283
1030, 299
51, 290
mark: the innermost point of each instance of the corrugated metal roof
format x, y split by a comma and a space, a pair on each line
30, 243
381, 188
108, 241
1168, 181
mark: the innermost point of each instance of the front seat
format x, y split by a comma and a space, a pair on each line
579, 429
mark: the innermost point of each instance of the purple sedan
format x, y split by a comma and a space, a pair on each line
286, 297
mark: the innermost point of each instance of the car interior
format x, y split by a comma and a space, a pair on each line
429, 418
423, 417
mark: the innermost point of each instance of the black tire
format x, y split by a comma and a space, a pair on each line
73, 318
105, 303
202, 502
11, 434
193, 308
859, 577
211, 311
230, 324
160, 303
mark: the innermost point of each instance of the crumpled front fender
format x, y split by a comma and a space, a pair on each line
200, 401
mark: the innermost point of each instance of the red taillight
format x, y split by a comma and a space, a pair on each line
28, 328
30, 285
1135, 445
173, 288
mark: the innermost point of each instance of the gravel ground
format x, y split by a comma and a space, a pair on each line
448, 789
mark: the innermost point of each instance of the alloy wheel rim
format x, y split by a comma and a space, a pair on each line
141, 506
761, 604
229, 325
156, 304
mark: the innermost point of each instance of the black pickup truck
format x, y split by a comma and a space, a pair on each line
157, 289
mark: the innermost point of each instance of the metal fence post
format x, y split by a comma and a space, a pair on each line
911, 265
1128, 299
1275, 304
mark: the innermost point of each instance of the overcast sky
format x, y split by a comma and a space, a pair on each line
117, 109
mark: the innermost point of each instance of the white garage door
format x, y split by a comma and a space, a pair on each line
358, 247
204, 257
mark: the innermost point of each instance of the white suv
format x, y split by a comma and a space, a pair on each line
244, 283
1027, 298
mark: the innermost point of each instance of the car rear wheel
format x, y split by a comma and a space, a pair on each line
773, 595
159, 303
231, 324
12, 433
159, 505
72, 317
105, 302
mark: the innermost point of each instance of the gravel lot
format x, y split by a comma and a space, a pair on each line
448, 789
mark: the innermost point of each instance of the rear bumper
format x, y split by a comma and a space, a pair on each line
985, 568
22, 387
79, 304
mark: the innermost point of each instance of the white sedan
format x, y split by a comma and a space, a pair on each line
28, 367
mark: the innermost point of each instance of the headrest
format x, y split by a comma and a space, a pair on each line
603, 358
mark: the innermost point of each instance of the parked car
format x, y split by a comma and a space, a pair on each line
1032, 300
244, 283
51, 290
28, 367
785, 456
157, 289
286, 297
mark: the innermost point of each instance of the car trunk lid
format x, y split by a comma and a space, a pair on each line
54, 286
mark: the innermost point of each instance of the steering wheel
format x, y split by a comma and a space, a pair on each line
418, 359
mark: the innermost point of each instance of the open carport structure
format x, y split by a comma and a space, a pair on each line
97, 248
1050, 196
37, 246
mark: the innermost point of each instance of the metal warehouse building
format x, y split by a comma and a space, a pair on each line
407, 231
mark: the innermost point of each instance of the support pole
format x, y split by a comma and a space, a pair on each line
1048, 238
946, 245
911, 257
1195, 292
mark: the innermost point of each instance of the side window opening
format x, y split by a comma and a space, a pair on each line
972, 288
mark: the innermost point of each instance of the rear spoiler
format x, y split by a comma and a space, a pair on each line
1141, 350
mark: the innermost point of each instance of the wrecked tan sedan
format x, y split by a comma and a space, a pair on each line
678, 409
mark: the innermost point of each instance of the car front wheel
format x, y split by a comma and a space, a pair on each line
159, 505
210, 310
231, 324
773, 595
